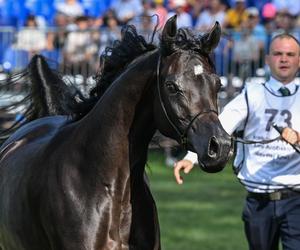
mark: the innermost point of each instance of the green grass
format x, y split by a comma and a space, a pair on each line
203, 213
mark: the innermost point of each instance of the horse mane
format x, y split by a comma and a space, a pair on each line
115, 59
113, 62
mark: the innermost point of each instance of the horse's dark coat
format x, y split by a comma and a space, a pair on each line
80, 185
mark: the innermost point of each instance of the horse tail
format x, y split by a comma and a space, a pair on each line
49, 93
41, 92
13, 102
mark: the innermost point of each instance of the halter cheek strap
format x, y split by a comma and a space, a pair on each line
181, 135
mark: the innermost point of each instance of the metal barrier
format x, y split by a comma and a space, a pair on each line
76, 53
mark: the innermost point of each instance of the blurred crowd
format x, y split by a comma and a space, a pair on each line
75, 32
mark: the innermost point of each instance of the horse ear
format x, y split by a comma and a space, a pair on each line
170, 28
168, 36
211, 39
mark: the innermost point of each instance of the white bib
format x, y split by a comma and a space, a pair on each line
266, 167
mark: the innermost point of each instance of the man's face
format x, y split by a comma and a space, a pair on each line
83, 25
284, 59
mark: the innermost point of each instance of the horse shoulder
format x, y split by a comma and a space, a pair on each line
31, 131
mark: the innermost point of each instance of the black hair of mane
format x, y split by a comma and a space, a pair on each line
113, 62
114, 59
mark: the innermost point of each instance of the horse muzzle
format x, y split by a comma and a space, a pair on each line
213, 156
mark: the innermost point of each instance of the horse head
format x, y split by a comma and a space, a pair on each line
186, 101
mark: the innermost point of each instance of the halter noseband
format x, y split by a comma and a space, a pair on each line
182, 135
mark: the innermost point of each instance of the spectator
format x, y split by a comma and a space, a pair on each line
70, 8
43, 11
146, 27
268, 19
58, 34
259, 32
197, 7
184, 19
222, 56
214, 12
147, 22
257, 29
80, 49
297, 23
148, 7
236, 15
290, 6
268, 16
95, 8
285, 23
161, 11
109, 32
258, 4
127, 9
31, 38
246, 52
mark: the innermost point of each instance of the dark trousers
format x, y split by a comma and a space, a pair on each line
266, 222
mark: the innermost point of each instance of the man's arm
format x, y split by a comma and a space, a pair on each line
185, 165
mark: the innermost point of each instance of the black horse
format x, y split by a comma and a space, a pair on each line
79, 183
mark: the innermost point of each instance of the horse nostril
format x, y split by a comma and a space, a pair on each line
213, 147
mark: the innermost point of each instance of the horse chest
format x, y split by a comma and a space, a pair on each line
115, 216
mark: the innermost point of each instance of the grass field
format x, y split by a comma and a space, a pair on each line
202, 214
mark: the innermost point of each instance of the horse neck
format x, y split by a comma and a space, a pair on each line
140, 135
119, 110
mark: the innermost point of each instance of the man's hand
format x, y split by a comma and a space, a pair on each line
290, 135
184, 165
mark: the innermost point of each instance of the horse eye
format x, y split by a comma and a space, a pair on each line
171, 87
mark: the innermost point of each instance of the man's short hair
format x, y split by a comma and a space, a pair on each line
285, 35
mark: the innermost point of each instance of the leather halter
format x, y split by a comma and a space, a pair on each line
182, 134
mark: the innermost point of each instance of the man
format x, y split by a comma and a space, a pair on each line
269, 172
236, 15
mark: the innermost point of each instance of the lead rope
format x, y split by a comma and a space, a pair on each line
278, 129
244, 141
